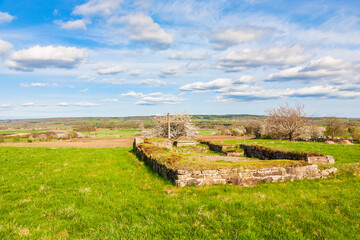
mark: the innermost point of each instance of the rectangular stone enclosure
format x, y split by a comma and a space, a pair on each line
238, 176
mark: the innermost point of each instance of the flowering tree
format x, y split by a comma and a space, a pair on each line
180, 126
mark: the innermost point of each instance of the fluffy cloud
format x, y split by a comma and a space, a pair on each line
214, 85
143, 29
183, 56
73, 25
243, 89
266, 57
97, 7
31, 104
5, 106
113, 81
78, 104
224, 38
218, 85
153, 98
326, 91
26, 85
135, 72
4, 47
6, 17
154, 82
324, 68
174, 71
249, 94
103, 70
110, 100
46, 57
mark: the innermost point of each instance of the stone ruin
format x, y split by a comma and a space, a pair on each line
304, 169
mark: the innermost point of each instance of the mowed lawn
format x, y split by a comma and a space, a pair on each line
69, 193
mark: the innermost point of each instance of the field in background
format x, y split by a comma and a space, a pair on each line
106, 194
21, 131
103, 133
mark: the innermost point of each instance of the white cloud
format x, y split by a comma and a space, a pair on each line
6, 17
110, 100
132, 94
135, 72
326, 91
219, 85
73, 25
97, 7
236, 91
143, 29
4, 47
5, 106
26, 85
86, 77
155, 82
266, 57
183, 56
153, 98
31, 104
323, 68
214, 85
193, 67
78, 104
249, 94
224, 38
113, 81
174, 71
46, 57
103, 70
84, 90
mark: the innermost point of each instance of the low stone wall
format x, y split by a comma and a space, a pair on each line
250, 177
241, 177
222, 149
269, 153
185, 143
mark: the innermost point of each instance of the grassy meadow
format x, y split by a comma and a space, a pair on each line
70, 193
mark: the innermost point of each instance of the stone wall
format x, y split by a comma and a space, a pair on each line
241, 177
269, 153
250, 177
222, 149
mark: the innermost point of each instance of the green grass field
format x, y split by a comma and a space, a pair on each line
69, 193
21, 131
101, 133
207, 132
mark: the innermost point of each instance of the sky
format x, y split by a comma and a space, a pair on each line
113, 58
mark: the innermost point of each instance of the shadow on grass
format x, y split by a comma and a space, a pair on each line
150, 170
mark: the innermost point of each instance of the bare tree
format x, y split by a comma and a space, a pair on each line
180, 126
286, 121
335, 127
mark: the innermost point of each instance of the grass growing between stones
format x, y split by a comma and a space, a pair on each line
106, 194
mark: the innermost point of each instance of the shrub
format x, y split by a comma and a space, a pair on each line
15, 139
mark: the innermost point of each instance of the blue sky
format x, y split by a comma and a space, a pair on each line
75, 58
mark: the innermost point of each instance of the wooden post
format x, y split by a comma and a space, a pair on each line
168, 118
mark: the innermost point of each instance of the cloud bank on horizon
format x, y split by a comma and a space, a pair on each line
119, 58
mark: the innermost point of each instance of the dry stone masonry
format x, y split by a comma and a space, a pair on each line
269, 153
236, 176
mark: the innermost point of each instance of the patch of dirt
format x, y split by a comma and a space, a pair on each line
77, 143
